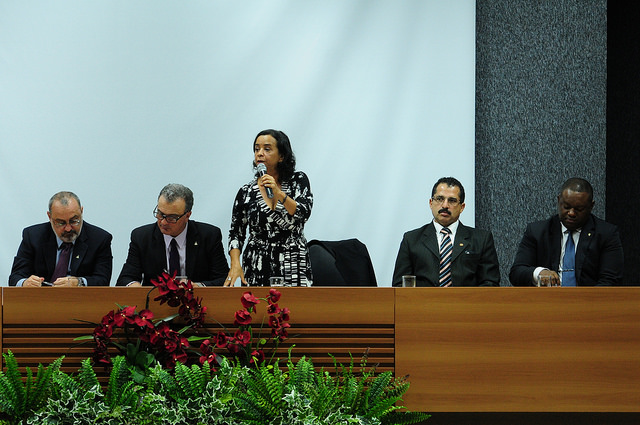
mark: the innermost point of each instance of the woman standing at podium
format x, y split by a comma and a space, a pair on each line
274, 206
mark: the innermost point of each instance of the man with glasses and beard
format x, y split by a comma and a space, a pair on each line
66, 251
174, 244
445, 252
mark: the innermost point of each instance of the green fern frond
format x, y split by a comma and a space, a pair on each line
86, 377
191, 381
37, 392
12, 392
18, 399
376, 390
119, 381
262, 399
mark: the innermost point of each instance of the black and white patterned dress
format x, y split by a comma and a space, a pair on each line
276, 245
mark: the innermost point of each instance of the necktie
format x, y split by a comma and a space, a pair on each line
62, 267
174, 258
569, 262
445, 257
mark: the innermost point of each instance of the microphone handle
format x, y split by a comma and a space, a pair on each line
268, 189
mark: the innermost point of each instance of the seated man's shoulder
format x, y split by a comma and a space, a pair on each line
144, 230
95, 230
37, 228
604, 228
204, 228
415, 233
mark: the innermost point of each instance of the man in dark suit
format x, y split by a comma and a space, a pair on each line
66, 251
175, 244
445, 252
541, 256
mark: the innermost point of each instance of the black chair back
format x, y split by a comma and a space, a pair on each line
341, 263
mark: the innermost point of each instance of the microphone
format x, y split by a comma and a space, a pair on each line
261, 170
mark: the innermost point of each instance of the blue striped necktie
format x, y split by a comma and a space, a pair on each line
569, 262
446, 248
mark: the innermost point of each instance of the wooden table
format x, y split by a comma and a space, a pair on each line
465, 349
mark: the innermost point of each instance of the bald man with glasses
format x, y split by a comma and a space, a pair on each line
175, 244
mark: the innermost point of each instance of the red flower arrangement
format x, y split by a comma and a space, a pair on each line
239, 345
157, 338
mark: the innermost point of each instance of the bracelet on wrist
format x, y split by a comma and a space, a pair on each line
284, 199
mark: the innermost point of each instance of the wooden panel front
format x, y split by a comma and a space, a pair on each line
40, 323
519, 349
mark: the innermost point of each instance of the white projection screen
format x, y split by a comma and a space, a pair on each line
113, 99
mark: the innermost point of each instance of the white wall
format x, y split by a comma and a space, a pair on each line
114, 99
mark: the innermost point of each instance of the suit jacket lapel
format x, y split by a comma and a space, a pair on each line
461, 242
159, 254
586, 237
50, 252
79, 251
430, 241
555, 244
191, 249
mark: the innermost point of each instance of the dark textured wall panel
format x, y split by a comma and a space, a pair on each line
623, 129
541, 87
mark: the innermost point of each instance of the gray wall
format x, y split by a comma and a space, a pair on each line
541, 87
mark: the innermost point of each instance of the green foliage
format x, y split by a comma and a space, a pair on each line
18, 399
139, 361
260, 399
231, 395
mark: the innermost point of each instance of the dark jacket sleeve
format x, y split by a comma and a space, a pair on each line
23, 262
526, 260
97, 271
403, 264
488, 271
132, 269
217, 266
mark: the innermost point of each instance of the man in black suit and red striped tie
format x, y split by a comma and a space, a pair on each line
445, 252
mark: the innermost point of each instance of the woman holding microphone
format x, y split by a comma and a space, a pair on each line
274, 206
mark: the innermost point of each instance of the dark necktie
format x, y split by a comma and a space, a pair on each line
62, 267
174, 258
445, 257
569, 262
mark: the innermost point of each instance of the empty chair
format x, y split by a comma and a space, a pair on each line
341, 263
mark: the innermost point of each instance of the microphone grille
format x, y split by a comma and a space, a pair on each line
261, 168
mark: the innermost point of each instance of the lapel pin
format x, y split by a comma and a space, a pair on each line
589, 234
461, 244
77, 256
195, 244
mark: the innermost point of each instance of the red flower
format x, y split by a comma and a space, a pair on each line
274, 295
273, 309
243, 317
280, 332
207, 352
124, 314
257, 355
221, 339
242, 337
248, 300
144, 318
284, 314
274, 322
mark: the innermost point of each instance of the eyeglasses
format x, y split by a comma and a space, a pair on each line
451, 201
171, 218
73, 222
